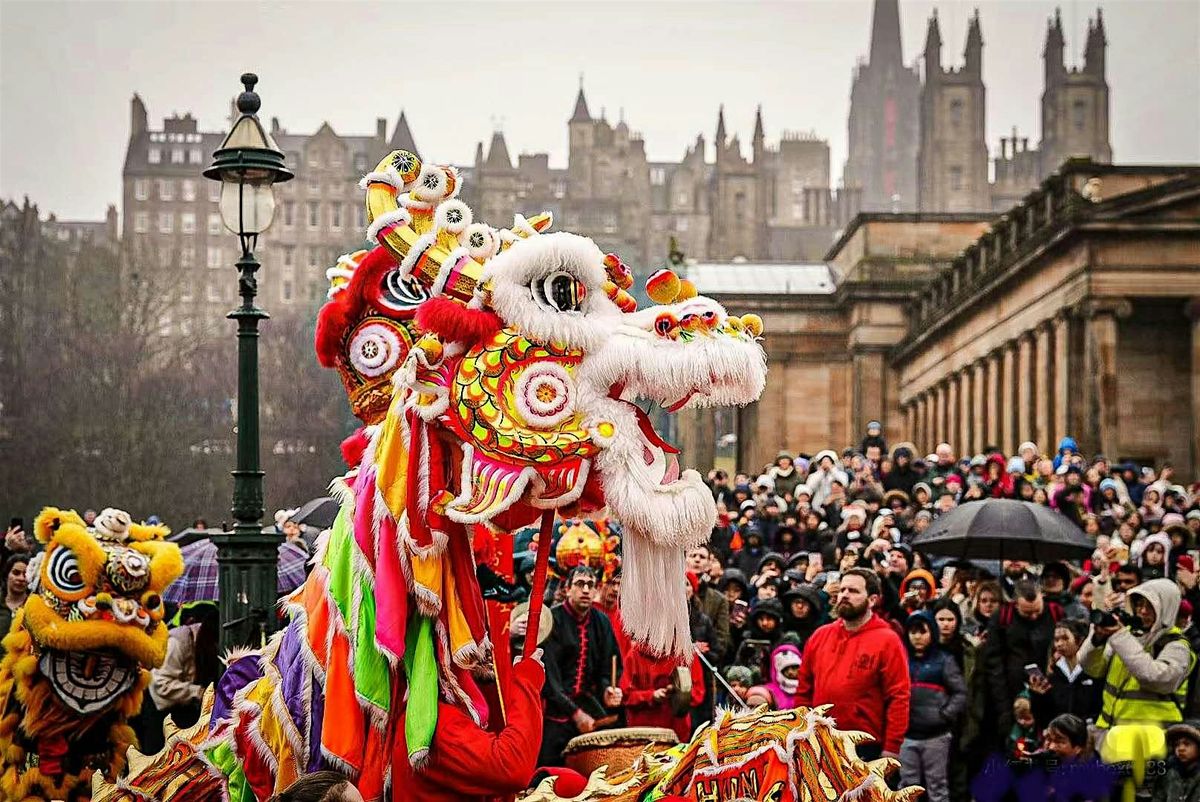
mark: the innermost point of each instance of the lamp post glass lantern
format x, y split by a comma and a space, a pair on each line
247, 164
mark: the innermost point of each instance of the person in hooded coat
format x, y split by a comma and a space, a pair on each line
901, 476
1146, 666
938, 700
753, 550
821, 475
1066, 447
785, 671
1155, 556
803, 612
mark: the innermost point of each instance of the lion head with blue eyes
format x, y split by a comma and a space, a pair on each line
79, 654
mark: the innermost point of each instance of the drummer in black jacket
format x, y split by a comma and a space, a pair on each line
583, 668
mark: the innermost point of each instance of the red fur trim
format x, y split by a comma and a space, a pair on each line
453, 322
354, 446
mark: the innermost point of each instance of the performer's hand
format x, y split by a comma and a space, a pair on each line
661, 694
613, 697
519, 627
583, 722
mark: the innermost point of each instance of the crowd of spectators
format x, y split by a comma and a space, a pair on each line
810, 592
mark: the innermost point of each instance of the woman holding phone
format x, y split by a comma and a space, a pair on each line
1064, 687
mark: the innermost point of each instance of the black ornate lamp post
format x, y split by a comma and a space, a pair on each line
247, 164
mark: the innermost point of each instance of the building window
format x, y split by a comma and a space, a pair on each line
166, 189
681, 199
285, 291
289, 255
176, 155
289, 213
956, 178
188, 190
681, 224
141, 189
314, 214
141, 222
154, 156
187, 256
658, 176
185, 291
560, 189
335, 159
1079, 114
216, 258
195, 155
956, 112
314, 159
213, 293
214, 191
360, 217
314, 186
335, 215
314, 258
166, 222
214, 223
360, 163
187, 223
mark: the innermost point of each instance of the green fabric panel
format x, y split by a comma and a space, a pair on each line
372, 679
341, 567
421, 665
225, 759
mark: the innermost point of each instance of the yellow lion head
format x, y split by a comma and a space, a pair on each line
95, 608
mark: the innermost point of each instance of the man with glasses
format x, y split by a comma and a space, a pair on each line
583, 668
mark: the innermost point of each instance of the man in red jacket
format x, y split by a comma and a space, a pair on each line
859, 665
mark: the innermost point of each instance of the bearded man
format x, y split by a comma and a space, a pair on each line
859, 665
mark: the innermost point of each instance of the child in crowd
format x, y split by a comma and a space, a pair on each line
740, 679
1181, 783
939, 698
1023, 739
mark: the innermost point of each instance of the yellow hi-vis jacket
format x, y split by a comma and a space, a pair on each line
1126, 702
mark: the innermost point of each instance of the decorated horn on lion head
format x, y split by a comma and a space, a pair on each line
535, 356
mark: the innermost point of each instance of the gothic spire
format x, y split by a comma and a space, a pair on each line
721, 126
885, 33
933, 44
581, 114
402, 138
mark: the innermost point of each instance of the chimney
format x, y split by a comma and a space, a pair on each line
381, 128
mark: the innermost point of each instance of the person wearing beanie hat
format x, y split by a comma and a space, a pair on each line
1155, 556
1181, 781
740, 678
783, 474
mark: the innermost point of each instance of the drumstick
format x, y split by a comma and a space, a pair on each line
613, 684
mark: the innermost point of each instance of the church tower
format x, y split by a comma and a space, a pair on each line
581, 139
952, 162
1075, 101
883, 125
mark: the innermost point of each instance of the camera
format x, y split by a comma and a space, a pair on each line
1112, 618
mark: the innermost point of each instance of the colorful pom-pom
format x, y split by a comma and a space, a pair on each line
686, 290
663, 286
753, 324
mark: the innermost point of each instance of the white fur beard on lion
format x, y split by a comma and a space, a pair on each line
660, 524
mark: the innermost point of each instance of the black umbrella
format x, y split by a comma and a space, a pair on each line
1003, 529
318, 513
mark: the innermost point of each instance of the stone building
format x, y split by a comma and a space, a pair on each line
918, 134
1073, 312
171, 217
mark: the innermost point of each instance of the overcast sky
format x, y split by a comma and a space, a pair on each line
68, 70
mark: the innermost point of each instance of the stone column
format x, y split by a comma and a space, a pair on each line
1008, 397
1043, 402
1062, 381
1023, 381
963, 436
978, 405
992, 398
922, 432
952, 407
1193, 312
1100, 372
939, 411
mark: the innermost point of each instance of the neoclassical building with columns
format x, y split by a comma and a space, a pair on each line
1075, 312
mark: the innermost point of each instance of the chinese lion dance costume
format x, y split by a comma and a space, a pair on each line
79, 653
496, 373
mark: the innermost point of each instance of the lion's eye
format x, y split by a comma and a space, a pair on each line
560, 290
62, 571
